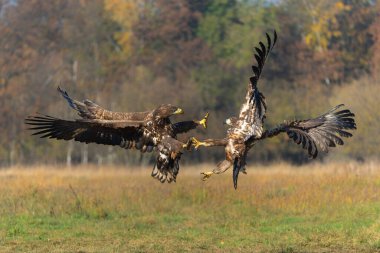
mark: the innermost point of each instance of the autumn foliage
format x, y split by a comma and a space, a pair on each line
132, 55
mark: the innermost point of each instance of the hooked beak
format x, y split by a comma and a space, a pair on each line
179, 111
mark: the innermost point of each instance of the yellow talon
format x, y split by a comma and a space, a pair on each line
196, 143
203, 122
206, 175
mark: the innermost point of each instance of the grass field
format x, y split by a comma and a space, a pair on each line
318, 208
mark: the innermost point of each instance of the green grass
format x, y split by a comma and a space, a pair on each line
276, 210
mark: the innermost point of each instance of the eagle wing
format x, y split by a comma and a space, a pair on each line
127, 134
89, 110
320, 133
252, 112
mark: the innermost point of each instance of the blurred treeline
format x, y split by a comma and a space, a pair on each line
133, 55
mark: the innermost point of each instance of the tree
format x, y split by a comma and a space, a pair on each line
375, 50
354, 40
125, 14
322, 15
43, 45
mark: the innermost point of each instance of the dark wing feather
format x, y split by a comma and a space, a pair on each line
86, 131
257, 99
261, 56
320, 133
253, 110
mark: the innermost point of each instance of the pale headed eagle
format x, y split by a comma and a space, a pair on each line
317, 134
144, 131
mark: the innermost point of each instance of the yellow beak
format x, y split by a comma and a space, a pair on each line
178, 111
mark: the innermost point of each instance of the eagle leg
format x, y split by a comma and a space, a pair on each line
220, 168
203, 122
206, 175
197, 143
188, 144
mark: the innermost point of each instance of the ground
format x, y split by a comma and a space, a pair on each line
278, 208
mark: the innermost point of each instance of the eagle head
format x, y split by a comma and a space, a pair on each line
231, 121
166, 110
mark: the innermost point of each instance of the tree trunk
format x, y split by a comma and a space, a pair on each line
110, 156
99, 159
84, 154
70, 148
12, 153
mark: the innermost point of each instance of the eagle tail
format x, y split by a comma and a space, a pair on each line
238, 166
235, 172
166, 168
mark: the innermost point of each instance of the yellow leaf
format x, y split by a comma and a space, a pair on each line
124, 12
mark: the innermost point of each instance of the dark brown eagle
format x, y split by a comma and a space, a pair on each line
144, 131
317, 134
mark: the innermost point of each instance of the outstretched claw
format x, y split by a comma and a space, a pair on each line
203, 122
206, 175
196, 143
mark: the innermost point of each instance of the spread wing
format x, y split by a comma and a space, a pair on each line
127, 134
89, 110
319, 133
252, 112
256, 97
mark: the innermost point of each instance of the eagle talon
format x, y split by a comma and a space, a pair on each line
203, 122
206, 175
196, 143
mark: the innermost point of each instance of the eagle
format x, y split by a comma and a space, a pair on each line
144, 131
314, 135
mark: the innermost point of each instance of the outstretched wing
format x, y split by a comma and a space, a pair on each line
89, 110
256, 98
127, 134
252, 112
319, 133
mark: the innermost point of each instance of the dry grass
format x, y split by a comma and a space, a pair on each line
331, 208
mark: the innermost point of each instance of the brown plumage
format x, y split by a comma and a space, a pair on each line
317, 134
144, 131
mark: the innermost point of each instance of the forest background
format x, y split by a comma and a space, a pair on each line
197, 54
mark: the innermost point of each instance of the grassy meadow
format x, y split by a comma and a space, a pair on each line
278, 208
